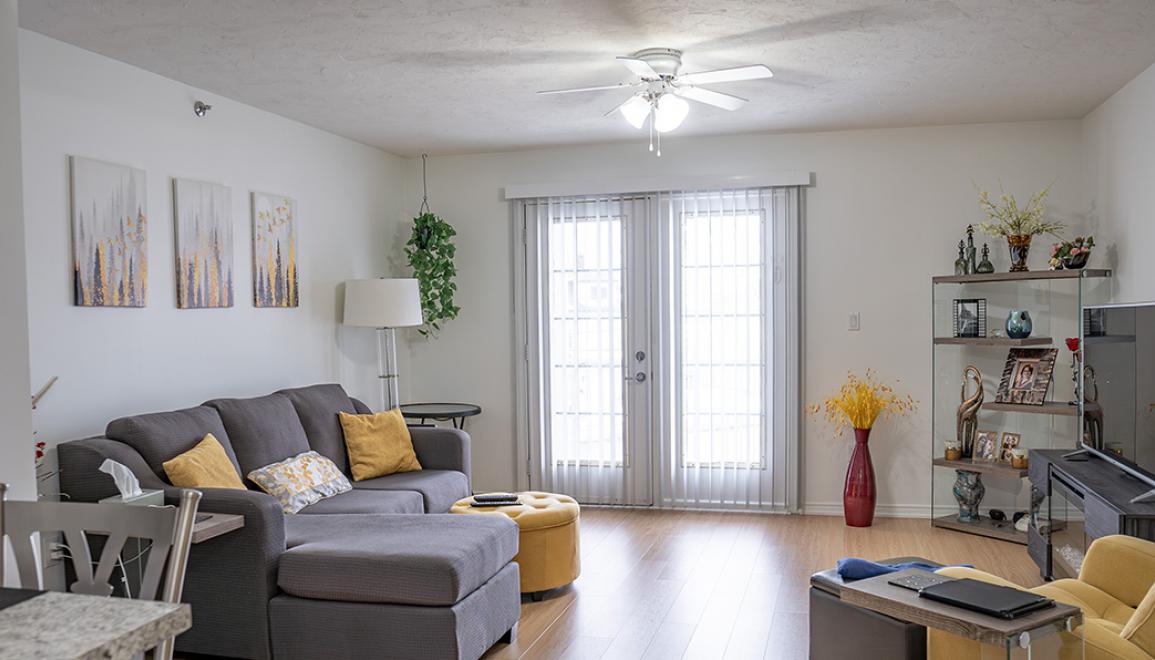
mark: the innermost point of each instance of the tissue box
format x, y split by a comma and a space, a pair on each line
146, 498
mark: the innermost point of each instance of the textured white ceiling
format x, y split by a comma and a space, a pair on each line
459, 75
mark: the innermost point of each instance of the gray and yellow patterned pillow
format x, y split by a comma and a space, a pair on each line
301, 480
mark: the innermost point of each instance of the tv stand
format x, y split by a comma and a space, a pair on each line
1076, 499
1077, 455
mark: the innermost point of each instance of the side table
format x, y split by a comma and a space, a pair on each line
441, 412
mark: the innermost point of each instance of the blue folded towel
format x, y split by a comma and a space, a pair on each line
853, 568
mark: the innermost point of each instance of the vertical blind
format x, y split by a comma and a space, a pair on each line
696, 292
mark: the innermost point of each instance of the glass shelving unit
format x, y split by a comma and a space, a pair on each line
1054, 300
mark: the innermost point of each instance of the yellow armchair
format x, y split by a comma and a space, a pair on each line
1115, 591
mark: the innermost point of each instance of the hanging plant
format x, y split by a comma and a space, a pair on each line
430, 252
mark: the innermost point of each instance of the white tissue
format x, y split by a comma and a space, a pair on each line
126, 481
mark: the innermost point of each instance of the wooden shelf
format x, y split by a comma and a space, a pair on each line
1004, 531
1048, 408
984, 467
994, 341
1019, 277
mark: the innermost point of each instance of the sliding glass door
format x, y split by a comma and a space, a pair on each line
652, 327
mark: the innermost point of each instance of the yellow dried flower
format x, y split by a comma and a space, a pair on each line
861, 401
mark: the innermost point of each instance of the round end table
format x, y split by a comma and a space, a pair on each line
441, 412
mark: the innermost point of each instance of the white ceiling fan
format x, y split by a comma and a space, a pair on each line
662, 88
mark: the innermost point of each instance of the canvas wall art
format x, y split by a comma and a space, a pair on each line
203, 216
274, 251
109, 234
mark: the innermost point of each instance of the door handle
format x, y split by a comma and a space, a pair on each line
639, 377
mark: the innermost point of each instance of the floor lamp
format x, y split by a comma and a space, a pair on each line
384, 304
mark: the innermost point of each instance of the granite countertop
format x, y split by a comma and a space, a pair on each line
74, 626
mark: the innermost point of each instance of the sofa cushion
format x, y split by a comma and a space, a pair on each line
439, 488
378, 444
364, 501
415, 560
204, 466
317, 407
263, 430
158, 437
302, 480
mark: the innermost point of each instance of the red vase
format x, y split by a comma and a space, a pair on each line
859, 495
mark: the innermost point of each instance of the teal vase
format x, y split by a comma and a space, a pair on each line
1019, 325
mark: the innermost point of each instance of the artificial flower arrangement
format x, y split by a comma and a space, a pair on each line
1071, 254
861, 401
1007, 218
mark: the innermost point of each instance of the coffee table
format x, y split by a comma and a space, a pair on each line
1036, 634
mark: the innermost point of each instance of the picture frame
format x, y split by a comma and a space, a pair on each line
1094, 322
1010, 441
1027, 376
969, 317
986, 445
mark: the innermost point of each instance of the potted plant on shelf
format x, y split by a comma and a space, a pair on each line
859, 403
1072, 254
1018, 224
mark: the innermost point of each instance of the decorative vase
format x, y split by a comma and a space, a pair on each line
859, 495
1019, 324
1078, 261
968, 491
1020, 247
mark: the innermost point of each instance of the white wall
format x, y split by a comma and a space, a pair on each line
113, 362
16, 453
887, 208
1119, 142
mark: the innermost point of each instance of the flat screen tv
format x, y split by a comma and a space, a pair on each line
1119, 387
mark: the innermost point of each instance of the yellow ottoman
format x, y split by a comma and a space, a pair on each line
549, 550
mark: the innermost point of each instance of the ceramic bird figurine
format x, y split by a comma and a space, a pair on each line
968, 412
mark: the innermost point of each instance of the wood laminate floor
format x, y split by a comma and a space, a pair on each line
672, 584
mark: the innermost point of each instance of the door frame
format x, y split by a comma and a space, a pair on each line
788, 264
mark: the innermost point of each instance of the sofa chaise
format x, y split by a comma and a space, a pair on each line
380, 571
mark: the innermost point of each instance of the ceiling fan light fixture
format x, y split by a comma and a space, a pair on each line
636, 110
669, 113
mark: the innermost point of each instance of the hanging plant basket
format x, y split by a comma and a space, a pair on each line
430, 251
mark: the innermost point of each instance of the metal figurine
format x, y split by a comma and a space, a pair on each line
967, 418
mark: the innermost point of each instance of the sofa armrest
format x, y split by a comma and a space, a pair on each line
80, 460
1123, 566
1140, 630
441, 448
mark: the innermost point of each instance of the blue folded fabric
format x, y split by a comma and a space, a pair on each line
853, 568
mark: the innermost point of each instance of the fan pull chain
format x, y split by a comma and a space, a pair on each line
659, 145
650, 123
424, 186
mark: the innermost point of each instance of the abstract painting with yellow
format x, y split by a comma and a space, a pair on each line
109, 234
204, 244
274, 251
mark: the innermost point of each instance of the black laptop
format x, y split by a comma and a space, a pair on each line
986, 598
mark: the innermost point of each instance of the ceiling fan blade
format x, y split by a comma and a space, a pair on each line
639, 67
752, 72
597, 88
710, 97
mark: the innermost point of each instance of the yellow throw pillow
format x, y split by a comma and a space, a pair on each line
204, 466
378, 444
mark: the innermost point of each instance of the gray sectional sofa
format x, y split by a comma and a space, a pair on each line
378, 572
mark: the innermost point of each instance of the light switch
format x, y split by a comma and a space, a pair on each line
855, 322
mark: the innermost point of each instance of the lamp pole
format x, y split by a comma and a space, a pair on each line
387, 368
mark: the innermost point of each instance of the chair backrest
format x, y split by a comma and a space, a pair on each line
167, 528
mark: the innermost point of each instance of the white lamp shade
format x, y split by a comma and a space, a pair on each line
636, 110
393, 303
670, 112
